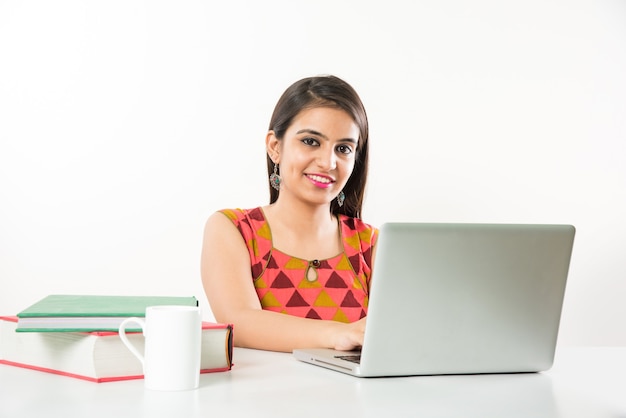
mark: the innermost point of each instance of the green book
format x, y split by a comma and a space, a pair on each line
86, 313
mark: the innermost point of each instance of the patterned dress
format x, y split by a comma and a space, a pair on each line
336, 288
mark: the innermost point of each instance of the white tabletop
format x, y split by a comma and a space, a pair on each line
584, 382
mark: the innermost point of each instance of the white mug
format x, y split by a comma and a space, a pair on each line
171, 359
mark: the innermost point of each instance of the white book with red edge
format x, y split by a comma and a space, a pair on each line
99, 356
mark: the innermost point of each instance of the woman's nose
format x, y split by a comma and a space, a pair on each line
326, 159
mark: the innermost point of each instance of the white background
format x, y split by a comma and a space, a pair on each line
125, 124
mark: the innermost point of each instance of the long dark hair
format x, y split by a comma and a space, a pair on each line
326, 91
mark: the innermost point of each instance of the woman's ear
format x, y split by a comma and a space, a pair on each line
272, 144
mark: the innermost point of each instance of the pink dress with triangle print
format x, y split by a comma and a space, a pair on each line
339, 291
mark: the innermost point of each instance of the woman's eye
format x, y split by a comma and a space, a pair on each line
310, 141
344, 149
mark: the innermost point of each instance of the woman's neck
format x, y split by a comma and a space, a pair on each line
305, 231
298, 216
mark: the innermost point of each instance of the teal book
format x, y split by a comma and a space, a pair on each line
85, 313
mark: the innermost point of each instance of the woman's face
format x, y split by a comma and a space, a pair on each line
317, 154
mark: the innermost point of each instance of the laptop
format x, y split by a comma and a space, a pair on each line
460, 299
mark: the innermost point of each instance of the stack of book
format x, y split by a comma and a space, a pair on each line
76, 336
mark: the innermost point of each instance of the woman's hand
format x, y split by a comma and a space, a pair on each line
350, 336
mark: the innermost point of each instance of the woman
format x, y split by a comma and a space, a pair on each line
296, 273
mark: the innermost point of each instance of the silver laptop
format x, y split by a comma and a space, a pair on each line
460, 299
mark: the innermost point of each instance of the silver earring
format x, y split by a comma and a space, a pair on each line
275, 178
341, 197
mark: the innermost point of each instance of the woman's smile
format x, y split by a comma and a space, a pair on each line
320, 181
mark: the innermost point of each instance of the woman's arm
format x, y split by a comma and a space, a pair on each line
225, 269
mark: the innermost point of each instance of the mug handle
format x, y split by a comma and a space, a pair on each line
128, 344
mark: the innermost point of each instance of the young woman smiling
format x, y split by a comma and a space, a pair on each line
296, 273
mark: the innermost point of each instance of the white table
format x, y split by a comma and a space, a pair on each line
584, 382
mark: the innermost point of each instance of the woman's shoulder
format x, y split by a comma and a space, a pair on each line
366, 231
237, 215
356, 224
249, 222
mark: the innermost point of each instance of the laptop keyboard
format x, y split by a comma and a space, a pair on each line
354, 358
